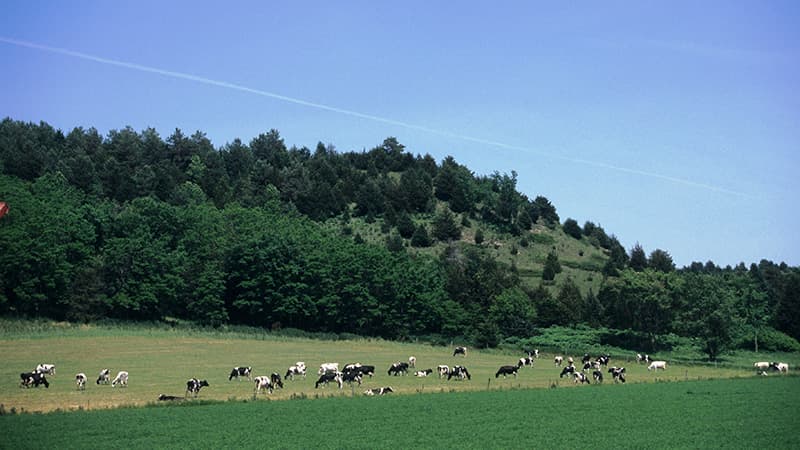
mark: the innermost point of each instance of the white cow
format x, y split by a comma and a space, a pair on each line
761, 366
80, 381
443, 370
412, 361
49, 369
655, 365
121, 379
558, 360
328, 367
263, 382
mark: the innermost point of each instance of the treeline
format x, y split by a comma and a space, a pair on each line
132, 226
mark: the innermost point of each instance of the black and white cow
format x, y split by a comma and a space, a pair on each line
580, 377
558, 360
443, 370
121, 379
526, 361
507, 370
567, 371
598, 376
169, 398
460, 351
531, 353
618, 373
80, 381
642, 358
194, 385
104, 377
352, 376
398, 368
263, 383
327, 377
367, 370
240, 371
603, 360
423, 373
586, 358
49, 369
275, 378
460, 372
328, 367
295, 370
28, 379
378, 391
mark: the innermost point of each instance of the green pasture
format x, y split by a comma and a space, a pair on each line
160, 361
755, 412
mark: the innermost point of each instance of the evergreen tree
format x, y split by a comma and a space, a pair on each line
445, 227
638, 261
421, 237
551, 267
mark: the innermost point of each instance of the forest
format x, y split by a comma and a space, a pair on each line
132, 226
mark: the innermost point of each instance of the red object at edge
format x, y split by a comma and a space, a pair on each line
3, 208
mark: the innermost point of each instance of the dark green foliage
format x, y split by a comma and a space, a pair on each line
421, 237
638, 261
551, 267
661, 261
571, 228
405, 226
445, 227
394, 242
479, 236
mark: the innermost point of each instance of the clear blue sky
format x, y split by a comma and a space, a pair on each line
675, 125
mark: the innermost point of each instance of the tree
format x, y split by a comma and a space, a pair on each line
513, 313
571, 228
545, 210
638, 261
394, 242
479, 236
445, 227
405, 226
570, 302
551, 267
420, 238
661, 261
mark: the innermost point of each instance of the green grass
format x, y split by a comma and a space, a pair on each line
733, 413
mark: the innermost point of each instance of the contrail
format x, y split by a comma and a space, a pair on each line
297, 101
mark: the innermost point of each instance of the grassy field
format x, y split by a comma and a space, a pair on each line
161, 360
733, 413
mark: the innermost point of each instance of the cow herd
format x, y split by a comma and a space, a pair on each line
354, 373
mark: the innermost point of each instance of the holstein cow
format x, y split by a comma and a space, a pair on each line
194, 385
460, 372
34, 379
598, 376
240, 371
581, 378
567, 371
586, 358
618, 373
532, 353
327, 377
104, 377
328, 367
263, 383
655, 365
49, 369
423, 373
527, 361
507, 370
80, 381
378, 391
780, 367
412, 362
642, 358
761, 366
558, 360
443, 370
295, 370
275, 378
460, 351
398, 368
352, 376
121, 379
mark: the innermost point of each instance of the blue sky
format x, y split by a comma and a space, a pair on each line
674, 125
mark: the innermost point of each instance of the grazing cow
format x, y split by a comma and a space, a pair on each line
443, 370
567, 371
586, 358
655, 365
761, 366
460, 351
34, 379
327, 377
328, 367
351, 367
169, 398
121, 379
295, 370
423, 373
275, 378
263, 383
531, 353
460, 372
642, 358
104, 377
240, 371
352, 376
378, 391
194, 385
527, 361
80, 381
398, 368
558, 360
587, 366
598, 376
507, 370
367, 370
581, 378
412, 362
618, 373
49, 369
602, 360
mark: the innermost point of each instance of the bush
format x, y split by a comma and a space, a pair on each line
769, 340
